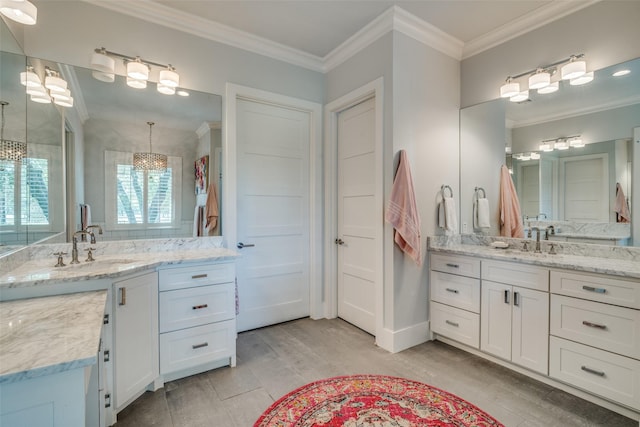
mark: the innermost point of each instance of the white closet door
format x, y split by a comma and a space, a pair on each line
585, 188
357, 216
273, 214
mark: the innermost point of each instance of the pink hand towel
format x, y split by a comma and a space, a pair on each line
402, 211
212, 207
621, 207
510, 217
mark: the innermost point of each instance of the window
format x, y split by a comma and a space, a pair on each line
140, 200
26, 190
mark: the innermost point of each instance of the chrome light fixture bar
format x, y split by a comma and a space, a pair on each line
150, 161
562, 143
10, 150
573, 68
138, 69
54, 88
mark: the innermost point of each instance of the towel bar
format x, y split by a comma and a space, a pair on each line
444, 187
477, 191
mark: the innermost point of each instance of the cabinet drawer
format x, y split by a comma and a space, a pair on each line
184, 308
459, 325
458, 291
612, 328
511, 273
625, 293
464, 266
195, 275
196, 346
596, 371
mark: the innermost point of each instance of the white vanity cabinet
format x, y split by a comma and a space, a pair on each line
595, 334
135, 330
514, 317
455, 298
197, 318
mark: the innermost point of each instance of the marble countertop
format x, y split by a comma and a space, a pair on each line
42, 271
43, 336
625, 268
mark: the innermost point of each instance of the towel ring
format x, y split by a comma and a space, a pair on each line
444, 187
477, 190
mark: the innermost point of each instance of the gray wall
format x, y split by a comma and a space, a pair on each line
607, 32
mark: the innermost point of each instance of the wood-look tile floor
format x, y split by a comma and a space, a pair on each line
275, 360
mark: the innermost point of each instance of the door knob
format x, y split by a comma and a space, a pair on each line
245, 245
339, 242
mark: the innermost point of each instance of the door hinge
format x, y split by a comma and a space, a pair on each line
107, 355
105, 320
107, 400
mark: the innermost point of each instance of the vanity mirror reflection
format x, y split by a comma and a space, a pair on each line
31, 183
107, 123
573, 187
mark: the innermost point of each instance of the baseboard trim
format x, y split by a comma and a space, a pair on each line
402, 339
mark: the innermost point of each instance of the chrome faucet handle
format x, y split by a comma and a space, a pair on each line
90, 254
525, 246
552, 249
60, 260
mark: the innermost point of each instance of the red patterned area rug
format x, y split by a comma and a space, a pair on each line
372, 400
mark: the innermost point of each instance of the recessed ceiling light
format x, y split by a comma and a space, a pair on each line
621, 73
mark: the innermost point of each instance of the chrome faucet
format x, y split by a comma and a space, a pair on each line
547, 233
74, 251
538, 251
93, 241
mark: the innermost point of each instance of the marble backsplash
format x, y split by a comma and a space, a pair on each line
11, 261
627, 253
609, 230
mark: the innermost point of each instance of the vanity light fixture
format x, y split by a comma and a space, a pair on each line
535, 156
583, 79
546, 147
29, 78
138, 71
10, 150
573, 68
561, 144
520, 97
54, 89
150, 161
22, 11
576, 142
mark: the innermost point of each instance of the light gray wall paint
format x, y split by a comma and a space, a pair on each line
101, 135
482, 142
607, 32
635, 197
426, 90
69, 31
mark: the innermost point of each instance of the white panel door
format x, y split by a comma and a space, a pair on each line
585, 187
530, 339
495, 319
357, 215
273, 215
529, 188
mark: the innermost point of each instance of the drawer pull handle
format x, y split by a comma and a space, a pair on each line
123, 296
196, 346
198, 307
516, 300
593, 325
199, 276
455, 291
453, 265
449, 322
506, 297
596, 290
592, 371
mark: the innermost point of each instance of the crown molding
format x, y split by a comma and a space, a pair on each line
422, 31
360, 40
398, 19
542, 16
168, 17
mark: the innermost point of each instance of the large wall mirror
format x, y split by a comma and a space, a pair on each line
82, 156
575, 185
31, 185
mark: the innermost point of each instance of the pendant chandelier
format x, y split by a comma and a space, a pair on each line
10, 150
150, 161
